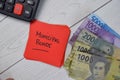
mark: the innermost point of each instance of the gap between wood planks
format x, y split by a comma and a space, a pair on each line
70, 27
90, 13
3, 18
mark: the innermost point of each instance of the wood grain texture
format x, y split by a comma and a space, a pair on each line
67, 11
111, 15
13, 37
14, 34
2, 17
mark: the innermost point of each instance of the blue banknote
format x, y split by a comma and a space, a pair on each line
103, 25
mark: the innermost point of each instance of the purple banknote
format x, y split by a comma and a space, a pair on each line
97, 30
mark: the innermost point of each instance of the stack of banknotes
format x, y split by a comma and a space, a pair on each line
95, 53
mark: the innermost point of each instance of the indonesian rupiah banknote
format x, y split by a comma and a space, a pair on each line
86, 52
92, 40
102, 24
95, 47
100, 32
80, 46
97, 68
97, 30
87, 66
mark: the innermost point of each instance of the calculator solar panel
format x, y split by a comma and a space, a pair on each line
21, 9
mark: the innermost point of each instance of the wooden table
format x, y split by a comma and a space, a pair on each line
14, 35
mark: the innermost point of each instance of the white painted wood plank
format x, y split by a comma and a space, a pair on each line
26, 71
13, 37
33, 70
111, 15
13, 30
66, 11
2, 16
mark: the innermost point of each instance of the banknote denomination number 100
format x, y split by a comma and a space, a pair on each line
85, 58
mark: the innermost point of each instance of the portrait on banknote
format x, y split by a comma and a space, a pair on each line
99, 68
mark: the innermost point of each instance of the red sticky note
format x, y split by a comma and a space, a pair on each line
47, 43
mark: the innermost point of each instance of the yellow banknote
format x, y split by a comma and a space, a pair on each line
87, 66
94, 41
114, 72
78, 46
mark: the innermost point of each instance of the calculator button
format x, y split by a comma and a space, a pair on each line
21, 1
21, 9
1, 5
27, 11
30, 2
18, 9
10, 1
8, 8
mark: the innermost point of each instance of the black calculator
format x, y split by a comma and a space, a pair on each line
21, 9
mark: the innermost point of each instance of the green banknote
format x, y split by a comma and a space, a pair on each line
114, 72
76, 47
69, 59
86, 66
79, 46
92, 40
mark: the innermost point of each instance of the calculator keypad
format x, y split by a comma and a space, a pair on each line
18, 9
22, 9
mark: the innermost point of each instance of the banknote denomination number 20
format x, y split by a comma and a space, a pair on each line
85, 58
89, 37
